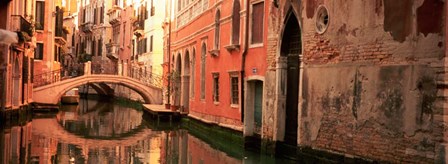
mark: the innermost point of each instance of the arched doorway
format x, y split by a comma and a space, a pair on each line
288, 73
16, 82
177, 80
186, 83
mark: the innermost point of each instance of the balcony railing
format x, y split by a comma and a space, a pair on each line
87, 27
139, 26
60, 36
112, 51
114, 16
54, 76
20, 24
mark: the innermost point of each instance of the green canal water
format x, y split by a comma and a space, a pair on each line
111, 132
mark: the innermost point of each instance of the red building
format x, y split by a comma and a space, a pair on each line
50, 40
212, 61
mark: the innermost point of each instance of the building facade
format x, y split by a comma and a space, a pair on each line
361, 88
148, 34
17, 42
51, 38
95, 32
70, 57
212, 61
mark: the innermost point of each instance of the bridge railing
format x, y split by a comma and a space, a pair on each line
50, 77
148, 78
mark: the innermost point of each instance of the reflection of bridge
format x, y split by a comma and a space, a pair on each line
50, 94
50, 128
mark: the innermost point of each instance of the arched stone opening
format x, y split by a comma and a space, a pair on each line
177, 85
288, 81
186, 82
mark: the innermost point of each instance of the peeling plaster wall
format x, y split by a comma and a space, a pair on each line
372, 84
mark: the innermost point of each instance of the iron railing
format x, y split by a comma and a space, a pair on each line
54, 76
148, 78
47, 78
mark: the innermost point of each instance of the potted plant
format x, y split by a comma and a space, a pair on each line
174, 78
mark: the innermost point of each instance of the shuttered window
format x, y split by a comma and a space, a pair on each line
40, 15
39, 51
236, 22
257, 23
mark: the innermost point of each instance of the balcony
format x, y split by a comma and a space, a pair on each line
22, 26
114, 16
60, 36
112, 51
139, 27
87, 27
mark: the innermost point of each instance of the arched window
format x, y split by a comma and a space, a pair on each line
203, 52
217, 24
236, 22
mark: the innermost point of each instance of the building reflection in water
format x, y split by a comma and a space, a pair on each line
98, 132
15, 141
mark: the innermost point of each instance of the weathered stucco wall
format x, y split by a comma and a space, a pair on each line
372, 83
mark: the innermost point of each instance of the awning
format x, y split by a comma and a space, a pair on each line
8, 37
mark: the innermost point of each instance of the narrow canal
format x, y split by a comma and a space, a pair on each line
100, 132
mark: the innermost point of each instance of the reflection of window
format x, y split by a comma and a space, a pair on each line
216, 87
40, 15
236, 22
257, 23
234, 89
39, 51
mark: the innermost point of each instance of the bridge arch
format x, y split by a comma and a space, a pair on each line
50, 94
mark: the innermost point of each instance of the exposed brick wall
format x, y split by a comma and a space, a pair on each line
366, 92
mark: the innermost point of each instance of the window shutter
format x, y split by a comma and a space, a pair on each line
257, 22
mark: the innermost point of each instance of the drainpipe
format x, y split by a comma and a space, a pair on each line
169, 53
243, 60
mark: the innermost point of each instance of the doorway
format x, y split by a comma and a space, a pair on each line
291, 49
258, 102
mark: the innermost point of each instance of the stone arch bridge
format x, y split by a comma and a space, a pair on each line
51, 93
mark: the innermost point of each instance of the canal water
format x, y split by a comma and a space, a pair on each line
98, 132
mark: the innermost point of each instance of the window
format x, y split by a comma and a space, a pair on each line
95, 16
40, 15
257, 23
153, 9
217, 24
39, 51
216, 87
93, 48
124, 32
236, 22
150, 43
145, 44
234, 89
83, 15
133, 48
146, 10
100, 47
193, 70
203, 53
102, 14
